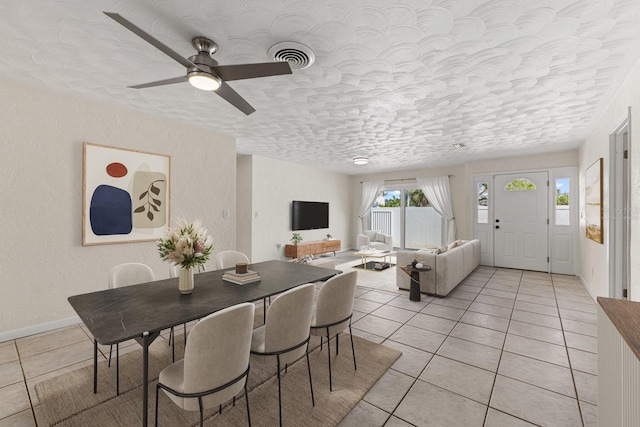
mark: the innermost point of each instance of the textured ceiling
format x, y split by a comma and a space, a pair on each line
397, 81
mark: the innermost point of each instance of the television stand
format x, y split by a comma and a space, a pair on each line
319, 247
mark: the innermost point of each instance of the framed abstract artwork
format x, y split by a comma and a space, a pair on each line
593, 201
125, 195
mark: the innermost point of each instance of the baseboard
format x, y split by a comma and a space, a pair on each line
586, 286
36, 329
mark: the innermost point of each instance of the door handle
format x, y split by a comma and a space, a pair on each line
497, 220
497, 226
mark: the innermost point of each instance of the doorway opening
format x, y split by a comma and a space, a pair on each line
618, 216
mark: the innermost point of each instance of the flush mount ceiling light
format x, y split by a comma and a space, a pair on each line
460, 145
360, 161
204, 81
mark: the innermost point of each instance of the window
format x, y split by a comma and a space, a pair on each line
563, 188
483, 203
521, 184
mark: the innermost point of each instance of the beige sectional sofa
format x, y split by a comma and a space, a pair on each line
448, 269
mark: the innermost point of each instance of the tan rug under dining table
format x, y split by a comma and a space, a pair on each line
68, 400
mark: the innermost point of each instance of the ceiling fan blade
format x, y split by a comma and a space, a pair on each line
148, 38
232, 97
251, 71
171, 81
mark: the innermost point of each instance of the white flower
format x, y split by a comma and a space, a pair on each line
187, 244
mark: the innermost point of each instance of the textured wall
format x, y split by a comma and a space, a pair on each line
275, 184
593, 256
42, 260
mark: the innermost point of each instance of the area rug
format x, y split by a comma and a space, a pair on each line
371, 266
68, 400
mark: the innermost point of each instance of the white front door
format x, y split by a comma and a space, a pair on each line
521, 221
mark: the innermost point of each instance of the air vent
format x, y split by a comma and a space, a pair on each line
296, 54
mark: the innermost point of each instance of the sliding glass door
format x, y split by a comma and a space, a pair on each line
423, 225
407, 216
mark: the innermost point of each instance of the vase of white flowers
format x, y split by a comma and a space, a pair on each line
189, 246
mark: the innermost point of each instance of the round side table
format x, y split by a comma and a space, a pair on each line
414, 273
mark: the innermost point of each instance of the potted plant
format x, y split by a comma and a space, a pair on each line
296, 238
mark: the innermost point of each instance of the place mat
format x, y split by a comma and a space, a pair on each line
68, 400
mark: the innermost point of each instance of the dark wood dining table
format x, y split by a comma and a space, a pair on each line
141, 311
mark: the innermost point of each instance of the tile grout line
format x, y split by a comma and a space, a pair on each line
26, 386
495, 378
566, 347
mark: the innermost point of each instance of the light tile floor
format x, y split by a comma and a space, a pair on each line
505, 348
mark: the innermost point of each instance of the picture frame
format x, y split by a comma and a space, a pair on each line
593, 201
126, 195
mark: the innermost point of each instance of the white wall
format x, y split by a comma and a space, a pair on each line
244, 180
594, 256
274, 185
42, 260
460, 180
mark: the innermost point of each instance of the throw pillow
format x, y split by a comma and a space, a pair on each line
379, 238
440, 250
452, 245
461, 242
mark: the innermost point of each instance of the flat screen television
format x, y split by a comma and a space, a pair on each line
309, 215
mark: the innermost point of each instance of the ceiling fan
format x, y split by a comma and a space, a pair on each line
203, 72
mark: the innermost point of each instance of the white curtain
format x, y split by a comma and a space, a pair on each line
436, 188
370, 191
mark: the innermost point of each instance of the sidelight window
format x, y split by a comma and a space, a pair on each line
563, 188
483, 203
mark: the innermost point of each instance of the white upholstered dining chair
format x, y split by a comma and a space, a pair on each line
215, 365
127, 274
228, 259
130, 273
285, 334
333, 310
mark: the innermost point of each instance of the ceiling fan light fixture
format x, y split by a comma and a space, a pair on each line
204, 81
360, 161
